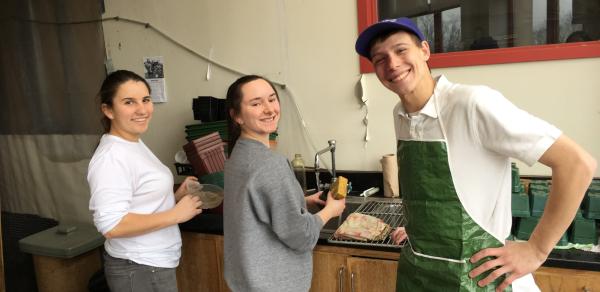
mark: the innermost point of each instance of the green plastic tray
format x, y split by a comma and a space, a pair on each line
539, 185
584, 231
591, 204
222, 123
537, 201
526, 226
520, 203
215, 178
515, 178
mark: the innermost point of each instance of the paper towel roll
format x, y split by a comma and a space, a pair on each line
390, 176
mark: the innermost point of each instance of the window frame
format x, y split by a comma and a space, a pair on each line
368, 14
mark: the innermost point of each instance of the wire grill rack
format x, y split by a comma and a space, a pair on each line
391, 213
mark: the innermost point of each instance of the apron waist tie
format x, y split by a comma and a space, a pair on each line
434, 257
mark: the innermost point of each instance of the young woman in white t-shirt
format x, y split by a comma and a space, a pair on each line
132, 196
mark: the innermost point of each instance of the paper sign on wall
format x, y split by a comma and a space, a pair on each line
155, 76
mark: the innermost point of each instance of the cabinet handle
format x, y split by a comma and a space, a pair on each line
352, 281
341, 279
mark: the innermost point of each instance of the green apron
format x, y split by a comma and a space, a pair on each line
441, 235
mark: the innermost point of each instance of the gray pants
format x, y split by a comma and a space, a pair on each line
127, 276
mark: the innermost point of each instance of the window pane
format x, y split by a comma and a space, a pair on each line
425, 24
451, 30
460, 25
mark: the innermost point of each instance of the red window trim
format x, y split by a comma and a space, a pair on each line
367, 15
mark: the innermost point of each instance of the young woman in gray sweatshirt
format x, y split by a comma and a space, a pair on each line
269, 234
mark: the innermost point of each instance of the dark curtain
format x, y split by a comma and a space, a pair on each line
52, 64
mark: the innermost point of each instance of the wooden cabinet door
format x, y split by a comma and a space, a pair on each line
372, 274
199, 266
2, 287
556, 279
220, 256
329, 272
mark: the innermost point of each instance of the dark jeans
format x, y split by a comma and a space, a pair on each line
127, 276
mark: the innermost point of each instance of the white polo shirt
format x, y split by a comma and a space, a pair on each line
483, 130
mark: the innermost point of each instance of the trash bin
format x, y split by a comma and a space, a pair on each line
64, 256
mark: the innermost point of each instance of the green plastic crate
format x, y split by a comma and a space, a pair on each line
564, 240
583, 231
538, 195
593, 188
539, 185
591, 204
215, 124
537, 201
579, 214
215, 178
515, 178
526, 226
520, 203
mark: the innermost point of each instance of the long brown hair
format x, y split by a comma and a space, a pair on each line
233, 103
109, 89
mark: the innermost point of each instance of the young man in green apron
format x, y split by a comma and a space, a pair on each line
454, 147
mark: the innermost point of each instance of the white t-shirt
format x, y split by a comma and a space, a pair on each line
483, 130
126, 177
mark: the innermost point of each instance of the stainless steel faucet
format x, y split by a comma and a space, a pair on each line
330, 148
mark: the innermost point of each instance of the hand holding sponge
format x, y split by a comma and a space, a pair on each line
339, 188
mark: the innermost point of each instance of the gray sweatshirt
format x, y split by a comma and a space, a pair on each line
269, 234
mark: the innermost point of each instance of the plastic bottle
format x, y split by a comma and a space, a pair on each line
299, 171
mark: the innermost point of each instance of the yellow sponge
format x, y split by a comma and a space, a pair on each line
339, 188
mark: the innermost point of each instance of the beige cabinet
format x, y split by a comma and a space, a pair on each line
556, 279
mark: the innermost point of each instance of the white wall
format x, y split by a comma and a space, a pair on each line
309, 46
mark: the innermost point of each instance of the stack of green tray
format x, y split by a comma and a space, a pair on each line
526, 227
538, 194
196, 131
591, 202
583, 230
215, 178
515, 178
520, 203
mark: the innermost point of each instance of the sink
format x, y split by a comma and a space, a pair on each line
333, 224
352, 203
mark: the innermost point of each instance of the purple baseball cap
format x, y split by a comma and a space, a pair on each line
365, 37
